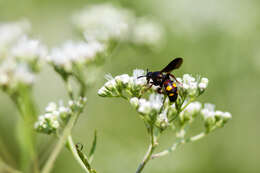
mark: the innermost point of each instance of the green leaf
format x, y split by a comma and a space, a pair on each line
93, 148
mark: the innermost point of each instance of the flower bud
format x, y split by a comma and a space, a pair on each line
103, 92
134, 101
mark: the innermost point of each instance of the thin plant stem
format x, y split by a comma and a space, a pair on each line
69, 88
66, 133
74, 152
149, 152
179, 142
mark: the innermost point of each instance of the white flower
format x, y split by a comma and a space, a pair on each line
138, 72
103, 22
11, 31
47, 123
124, 78
3, 78
193, 107
12, 73
224, 115
144, 106
190, 84
63, 109
203, 83
190, 111
134, 101
28, 49
51, 107
154, 103
111, 84
75, 52
147, 32
208, 111
163, 119
103, 91
23, 75
56, 116
227, 115
135, 81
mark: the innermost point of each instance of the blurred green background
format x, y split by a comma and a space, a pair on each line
218, 39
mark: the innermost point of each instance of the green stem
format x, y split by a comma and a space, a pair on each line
69, 88
78, 74
179, 142
149, 152
74, 152
64, 137
26, 135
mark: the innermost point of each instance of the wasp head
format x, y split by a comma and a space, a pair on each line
148, 75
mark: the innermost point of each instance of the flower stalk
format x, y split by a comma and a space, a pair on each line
62, 141
149, 152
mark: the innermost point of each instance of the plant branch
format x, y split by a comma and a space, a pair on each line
149, 152
179, 142
66, 133
74, 152
69, 88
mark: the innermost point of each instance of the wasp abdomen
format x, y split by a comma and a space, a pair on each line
171, 90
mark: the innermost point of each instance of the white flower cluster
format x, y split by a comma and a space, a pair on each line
214, 118
115, 87
147, 32
146, 107
103, 22
106, 22
29, 50
20, 56
77, 105
52, 119
56, 116
71, 53
189, 113
192, 86
10, 32
157, 110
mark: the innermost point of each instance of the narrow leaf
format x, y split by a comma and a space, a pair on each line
93, 148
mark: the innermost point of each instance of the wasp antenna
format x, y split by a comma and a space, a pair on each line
140, 77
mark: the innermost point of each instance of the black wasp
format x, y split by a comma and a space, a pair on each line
163, 79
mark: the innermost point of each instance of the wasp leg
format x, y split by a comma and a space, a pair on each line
159, 90
146, 89
175, 78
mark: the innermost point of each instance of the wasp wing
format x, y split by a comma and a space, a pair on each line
174, 64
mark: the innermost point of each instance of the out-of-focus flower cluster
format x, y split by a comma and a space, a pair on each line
57, 116
73, 55
214, 118
105, 22
20, 56
157, 110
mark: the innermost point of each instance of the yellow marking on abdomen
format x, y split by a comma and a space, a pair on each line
168, 88
172, 94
